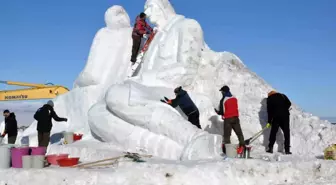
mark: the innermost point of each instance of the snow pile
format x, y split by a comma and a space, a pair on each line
129, 115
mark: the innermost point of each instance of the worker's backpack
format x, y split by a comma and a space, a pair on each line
41, 113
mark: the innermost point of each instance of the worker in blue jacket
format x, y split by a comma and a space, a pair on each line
186, 104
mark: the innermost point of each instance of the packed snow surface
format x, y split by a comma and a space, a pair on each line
117, 114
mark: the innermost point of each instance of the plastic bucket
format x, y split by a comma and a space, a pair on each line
27, 161
52, 159
38, 161
17, 154
231, 150
5, 156
38, 150
77, 137
68, 137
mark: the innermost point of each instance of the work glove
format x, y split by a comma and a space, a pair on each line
163, 101
145, 36
155, 29
65, 119
216, 110
268, 125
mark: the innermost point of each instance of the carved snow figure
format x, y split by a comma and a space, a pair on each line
107, 64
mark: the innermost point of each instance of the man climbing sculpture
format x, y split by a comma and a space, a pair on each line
141, 28
186, 104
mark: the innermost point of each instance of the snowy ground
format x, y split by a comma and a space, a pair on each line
263, 169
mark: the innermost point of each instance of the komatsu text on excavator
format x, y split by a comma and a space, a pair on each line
34, 92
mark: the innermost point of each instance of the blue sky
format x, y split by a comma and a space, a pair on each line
291, 44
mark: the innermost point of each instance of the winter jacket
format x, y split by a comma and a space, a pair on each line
140, 27
11, 127
228, 106
44, 115
277, 106
184, 102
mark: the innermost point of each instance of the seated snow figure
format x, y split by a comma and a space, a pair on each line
111, 47
107, 64
172, 59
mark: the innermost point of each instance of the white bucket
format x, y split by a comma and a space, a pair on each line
68, 137
5, 156
27, 161
231, 150
38, 161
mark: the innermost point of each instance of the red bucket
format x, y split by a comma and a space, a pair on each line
52, 159
68, 161
77, 137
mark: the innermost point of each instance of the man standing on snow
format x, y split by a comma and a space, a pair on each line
228, 109
11, 127
186, 104
44, 123
278, 116
140, 29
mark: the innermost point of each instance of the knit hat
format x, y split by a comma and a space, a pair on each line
177, 89
51, 103
225, 88
271, 93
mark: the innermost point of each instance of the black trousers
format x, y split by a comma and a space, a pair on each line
135, 47
194, 119
11, 139
283, 123
233, 124
43, 139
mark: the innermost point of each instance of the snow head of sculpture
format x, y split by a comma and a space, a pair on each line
116, 17
159, 11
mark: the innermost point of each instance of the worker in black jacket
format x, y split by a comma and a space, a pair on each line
44, 123
186, 104
11, 127
278, 106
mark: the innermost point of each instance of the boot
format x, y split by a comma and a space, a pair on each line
223, 148
269, 150
287, 151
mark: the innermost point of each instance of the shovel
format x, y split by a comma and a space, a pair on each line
258, 134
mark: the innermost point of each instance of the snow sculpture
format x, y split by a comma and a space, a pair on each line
172, 59
107, 64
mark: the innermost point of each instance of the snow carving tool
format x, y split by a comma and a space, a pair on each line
258, 134
139, 60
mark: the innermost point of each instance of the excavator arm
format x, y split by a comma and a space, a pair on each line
35, 92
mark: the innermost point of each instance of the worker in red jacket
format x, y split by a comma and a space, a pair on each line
140, 29
228, 109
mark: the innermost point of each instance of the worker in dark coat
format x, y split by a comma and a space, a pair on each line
140, 29
44, 116
228, 109
11, 128
186, 104
278, 106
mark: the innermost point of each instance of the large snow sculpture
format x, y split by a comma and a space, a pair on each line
172, 59
107, 64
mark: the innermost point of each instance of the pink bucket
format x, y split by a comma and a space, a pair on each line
38, 150
17, 154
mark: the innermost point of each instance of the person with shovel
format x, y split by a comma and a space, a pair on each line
228, 109
278, 106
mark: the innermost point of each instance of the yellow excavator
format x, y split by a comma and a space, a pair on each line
35, 92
